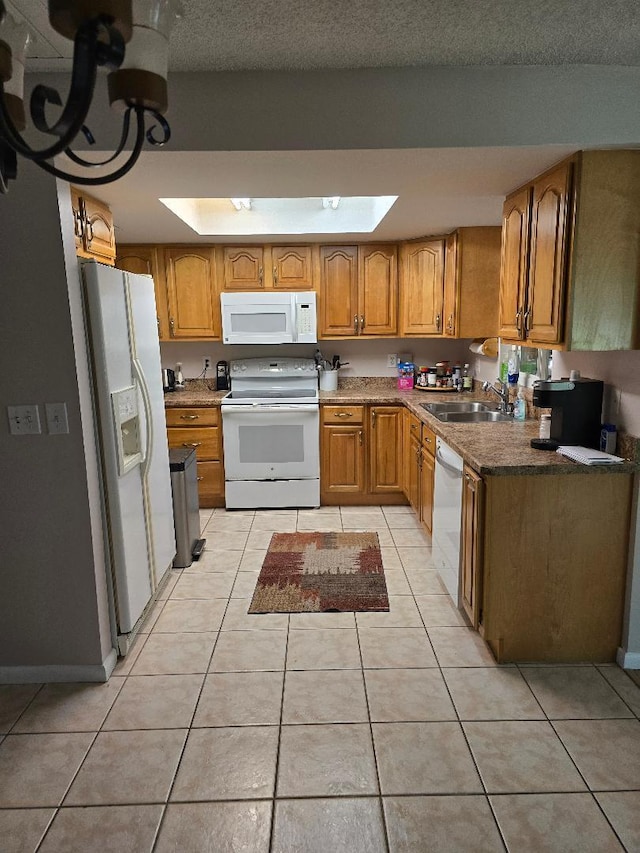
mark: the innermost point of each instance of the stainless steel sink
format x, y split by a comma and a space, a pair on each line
473, 417
455, 406
465, 412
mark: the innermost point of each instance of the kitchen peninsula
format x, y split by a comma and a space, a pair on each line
544, 540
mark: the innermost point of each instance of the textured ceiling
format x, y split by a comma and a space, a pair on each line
311, 34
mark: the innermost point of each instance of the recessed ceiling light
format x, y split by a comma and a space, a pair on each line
304, 215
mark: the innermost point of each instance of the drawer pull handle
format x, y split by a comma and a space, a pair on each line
414, 426
428, 440
360, 437
344, 414
189, 417
199, 478
192, 444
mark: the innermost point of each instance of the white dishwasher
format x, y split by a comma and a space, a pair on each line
447, 512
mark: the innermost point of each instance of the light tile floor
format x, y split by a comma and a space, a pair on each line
321, 732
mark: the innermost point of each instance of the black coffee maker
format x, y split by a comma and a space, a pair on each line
576, 409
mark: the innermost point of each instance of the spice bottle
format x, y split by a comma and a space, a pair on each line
545, 426
467, 381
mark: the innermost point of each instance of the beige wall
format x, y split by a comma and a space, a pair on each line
52, 588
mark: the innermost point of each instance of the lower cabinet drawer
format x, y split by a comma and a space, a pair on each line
206, 440
194, 417
211, 484
345, 415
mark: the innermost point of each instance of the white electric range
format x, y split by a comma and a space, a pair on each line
271, 431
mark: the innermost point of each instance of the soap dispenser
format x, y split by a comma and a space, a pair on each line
520, 405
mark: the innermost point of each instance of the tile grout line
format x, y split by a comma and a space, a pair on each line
277, 767
385, 828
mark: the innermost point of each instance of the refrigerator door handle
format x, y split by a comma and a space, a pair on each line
146, 402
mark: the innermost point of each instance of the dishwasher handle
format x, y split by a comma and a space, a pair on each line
457, 472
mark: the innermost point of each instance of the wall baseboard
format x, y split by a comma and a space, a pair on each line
59, 673
628, 660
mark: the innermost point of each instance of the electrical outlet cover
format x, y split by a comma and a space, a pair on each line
392, 360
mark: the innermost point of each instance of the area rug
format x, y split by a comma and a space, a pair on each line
321, 573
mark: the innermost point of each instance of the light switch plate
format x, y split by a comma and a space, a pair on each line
24, 420
56, 415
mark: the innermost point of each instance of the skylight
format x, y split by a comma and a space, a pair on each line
248, 217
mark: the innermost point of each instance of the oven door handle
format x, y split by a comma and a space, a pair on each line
259, 408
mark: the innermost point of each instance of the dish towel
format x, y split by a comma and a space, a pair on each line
588, 456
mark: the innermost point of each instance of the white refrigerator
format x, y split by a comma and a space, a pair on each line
130, 423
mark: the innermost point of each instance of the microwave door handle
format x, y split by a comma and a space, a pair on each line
294, 318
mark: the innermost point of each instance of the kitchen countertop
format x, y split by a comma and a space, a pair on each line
489, 448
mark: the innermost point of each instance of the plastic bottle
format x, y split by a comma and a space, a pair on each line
179, 376
467, 379
520, 406
513, 366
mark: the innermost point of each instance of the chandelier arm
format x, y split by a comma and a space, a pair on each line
114, 176
126, 123
88, 54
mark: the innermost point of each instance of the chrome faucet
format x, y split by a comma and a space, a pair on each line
503, 392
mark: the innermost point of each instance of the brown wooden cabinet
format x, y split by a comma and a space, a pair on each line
514, 263
200, 428
536, 226
93, 228
577, 285
385, 458
291, 267
342, 451
361, 454
422, 287
419, 467
358, 290
471, 544
338, 291
194, 309
243, 268
148, 260
427, 476
472, 283
544, 595
544, 312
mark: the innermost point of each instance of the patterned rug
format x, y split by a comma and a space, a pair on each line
320, 573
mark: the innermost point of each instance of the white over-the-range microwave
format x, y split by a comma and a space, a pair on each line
269, 318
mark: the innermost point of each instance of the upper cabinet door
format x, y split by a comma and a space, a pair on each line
243, 268
291, 267
378, 290
148, 260
451, 286
422, 288
549, 241
99, 235
516, 217
193, 304
338, 291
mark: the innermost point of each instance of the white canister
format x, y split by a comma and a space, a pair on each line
328, 380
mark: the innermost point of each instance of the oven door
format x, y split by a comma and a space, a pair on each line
271, 442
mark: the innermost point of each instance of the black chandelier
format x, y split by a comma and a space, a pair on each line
132, 43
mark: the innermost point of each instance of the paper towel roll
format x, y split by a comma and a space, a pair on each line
487, 347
